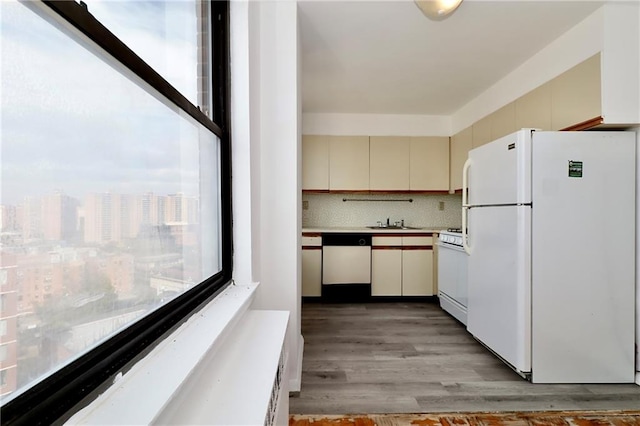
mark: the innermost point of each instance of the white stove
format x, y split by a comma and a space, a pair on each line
452, 274
451, 237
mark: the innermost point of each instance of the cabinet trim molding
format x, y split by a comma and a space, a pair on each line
371, 192
587, 124
315, 191
405, 234
312, 234
386, 248
311, 247
408, 191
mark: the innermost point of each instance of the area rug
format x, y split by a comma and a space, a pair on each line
545, 418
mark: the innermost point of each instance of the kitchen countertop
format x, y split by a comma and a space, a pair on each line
374, 231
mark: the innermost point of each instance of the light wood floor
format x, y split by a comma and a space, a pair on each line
415, 358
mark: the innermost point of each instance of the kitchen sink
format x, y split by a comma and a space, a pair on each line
390, 227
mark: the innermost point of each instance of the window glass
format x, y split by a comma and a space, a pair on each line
3, 353
3, 327
110, 197
163, 33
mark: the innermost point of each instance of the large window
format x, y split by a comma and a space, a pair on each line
115, 182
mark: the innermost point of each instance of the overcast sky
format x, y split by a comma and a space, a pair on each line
70, 122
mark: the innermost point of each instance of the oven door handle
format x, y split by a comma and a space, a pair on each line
465, 204
451, 247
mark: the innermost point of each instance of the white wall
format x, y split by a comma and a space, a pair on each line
375, 124
637, 130
621, 63
275, 111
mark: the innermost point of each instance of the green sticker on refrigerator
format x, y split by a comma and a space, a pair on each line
575, 169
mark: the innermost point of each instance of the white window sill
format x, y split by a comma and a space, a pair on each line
141, 394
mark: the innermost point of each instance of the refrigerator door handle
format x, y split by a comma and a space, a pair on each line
465, 204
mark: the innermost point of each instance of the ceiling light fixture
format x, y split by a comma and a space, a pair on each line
437, 10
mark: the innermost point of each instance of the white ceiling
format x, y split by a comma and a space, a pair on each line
386, 57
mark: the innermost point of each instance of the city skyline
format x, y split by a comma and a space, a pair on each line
96, 217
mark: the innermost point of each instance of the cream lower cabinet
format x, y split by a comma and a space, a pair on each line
402, 266
386, 272
417, 272
386, 266
417, 266
312, 272
311, 265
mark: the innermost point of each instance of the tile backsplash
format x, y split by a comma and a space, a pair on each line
329, 210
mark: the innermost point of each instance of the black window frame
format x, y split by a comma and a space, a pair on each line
58, 396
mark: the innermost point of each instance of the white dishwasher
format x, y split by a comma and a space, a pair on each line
346, 266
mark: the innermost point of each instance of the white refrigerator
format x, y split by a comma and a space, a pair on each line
549, 226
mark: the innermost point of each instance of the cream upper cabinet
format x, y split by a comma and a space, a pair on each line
482, 131
533, 110
429, 164
349, 163
315, 162
461, 144
389, 163
503, 121
576, 95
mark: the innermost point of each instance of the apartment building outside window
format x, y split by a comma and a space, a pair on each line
115, 192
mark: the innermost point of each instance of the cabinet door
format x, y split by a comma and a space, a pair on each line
389, 163
503, 121
576, 95
312, 272
417, 272
482, 132
386, 272
461, 143
315, 162
349, 163
429, 165
533, 110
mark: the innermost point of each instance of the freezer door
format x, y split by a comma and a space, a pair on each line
500, 171
583, 257
499, 272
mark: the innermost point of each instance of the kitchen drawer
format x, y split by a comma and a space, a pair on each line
417, 241
386, 241
312, 241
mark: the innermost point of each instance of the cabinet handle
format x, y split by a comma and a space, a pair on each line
465, 204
